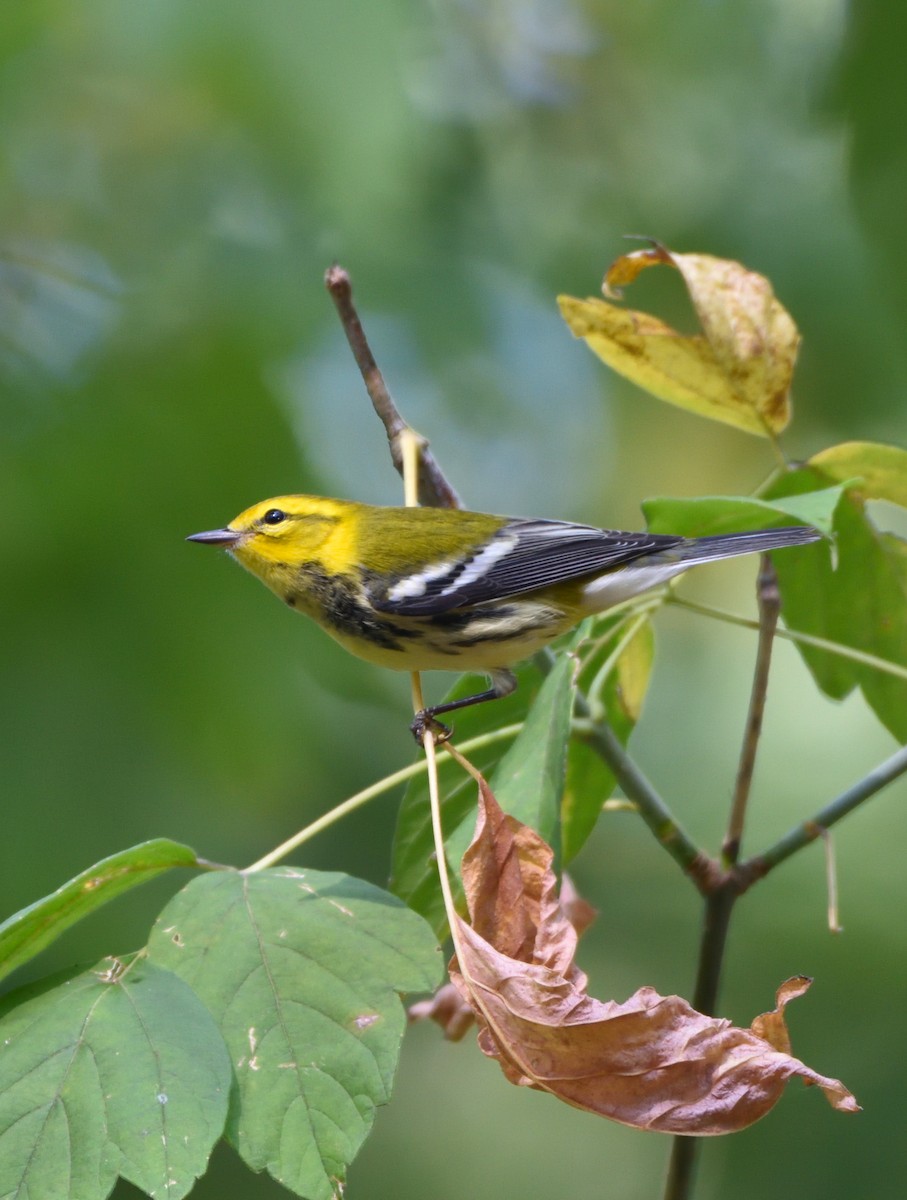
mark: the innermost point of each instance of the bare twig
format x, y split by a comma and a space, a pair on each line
719, 902
682, 1168
434, 488
769, 607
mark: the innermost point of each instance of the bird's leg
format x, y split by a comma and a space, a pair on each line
503, 682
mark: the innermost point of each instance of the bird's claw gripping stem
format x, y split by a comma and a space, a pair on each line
425, 720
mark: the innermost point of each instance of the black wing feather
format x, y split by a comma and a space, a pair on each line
543, 553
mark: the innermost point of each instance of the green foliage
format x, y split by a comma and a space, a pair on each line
176, 179
278, 987
854, 595
266, 1006
118, 1071
616, 676
850, 591
738, 514
301, 971
26, 933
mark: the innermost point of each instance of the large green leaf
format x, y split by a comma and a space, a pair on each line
28, 931
302, 970
110, 1073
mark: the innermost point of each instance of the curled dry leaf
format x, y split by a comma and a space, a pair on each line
738, 370
453, 1012
652, 1062
576, 908
448, 1008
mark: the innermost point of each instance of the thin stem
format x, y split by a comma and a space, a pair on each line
831, 883
776, 449
415, 682
794, 635
434, 488
769, 608
428, 744
434, 796
712, 944
643, 605
719, 903
685, 1151
776, 472
337, 282
801, 835
387, 784
681, 1168
411, 446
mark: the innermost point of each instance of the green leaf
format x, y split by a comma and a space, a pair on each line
708, 515
859, 601
115, 1072
414, 874
28, 931
590, 781
528, 782
301, 970
881, 470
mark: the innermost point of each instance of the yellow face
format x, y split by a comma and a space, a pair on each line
275, 537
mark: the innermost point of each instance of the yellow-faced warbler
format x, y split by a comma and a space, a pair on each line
423, 589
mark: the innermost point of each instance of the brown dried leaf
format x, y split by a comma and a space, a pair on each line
578, 911
453, 1013
510, 891
652, 1062
448, 1008
739, 372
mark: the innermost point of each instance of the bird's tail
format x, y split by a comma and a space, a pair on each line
729, 545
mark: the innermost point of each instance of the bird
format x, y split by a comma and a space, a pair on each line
418, 589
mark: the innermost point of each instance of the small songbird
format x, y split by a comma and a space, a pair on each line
421, 589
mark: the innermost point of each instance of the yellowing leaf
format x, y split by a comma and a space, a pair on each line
633, 670
737, 371
652, 1062
881, 469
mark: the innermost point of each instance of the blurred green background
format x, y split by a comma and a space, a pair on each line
175, 179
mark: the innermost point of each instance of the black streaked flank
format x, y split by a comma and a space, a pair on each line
344, 607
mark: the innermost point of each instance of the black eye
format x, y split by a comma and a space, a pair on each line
274, 516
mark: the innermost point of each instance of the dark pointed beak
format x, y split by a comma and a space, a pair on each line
227, 538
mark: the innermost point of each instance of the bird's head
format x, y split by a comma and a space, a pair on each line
274, 538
